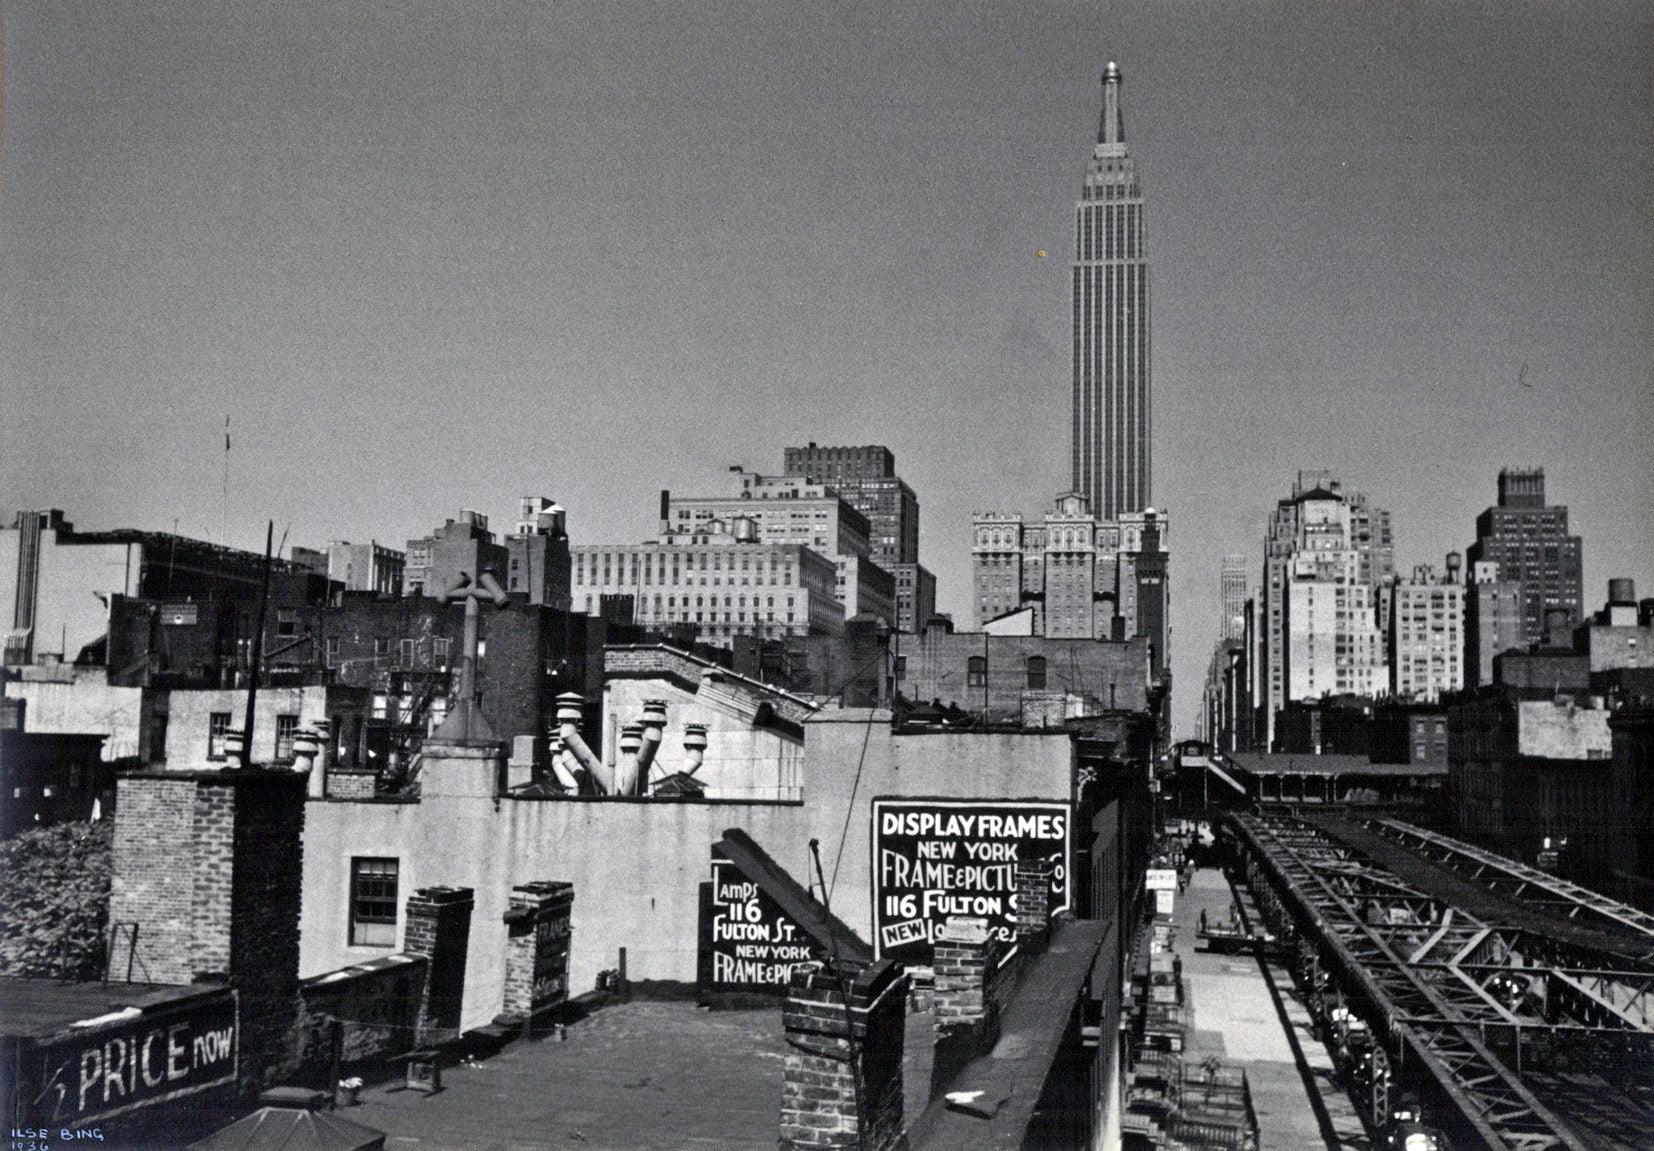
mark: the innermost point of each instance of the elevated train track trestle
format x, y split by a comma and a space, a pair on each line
1524, 1028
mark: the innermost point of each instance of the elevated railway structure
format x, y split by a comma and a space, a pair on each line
1519, 1009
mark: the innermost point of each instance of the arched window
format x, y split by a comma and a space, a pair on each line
976, 671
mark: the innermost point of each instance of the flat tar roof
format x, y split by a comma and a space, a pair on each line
40, 1008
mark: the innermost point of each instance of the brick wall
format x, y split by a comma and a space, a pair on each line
379, 1000
153, 832
842, 1081
209, 868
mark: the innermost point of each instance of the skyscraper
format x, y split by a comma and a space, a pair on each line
1234, 597
1111, 324
1326, 558
1529, 540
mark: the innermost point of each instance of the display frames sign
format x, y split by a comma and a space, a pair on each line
933, 858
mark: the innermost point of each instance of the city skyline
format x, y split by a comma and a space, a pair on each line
510, 253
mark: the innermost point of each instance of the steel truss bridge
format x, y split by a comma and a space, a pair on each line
1519, 1007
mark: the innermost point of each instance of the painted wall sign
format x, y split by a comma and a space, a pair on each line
933, 858
748, 942
551, 961
156, 1055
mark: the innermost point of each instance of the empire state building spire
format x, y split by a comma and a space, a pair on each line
1111, 443
1109, 129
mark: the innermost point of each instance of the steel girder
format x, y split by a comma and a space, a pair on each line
1509, 877
1439, 1014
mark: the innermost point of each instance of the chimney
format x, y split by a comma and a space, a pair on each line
966, 960
439, 928
1622, 592
1033, 879
537, 949
841, 1085
208, 872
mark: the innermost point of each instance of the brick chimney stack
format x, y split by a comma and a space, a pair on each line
842, 1085
207, 877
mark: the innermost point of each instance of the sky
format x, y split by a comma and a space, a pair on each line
433, 257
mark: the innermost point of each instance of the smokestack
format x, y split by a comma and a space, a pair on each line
568, 719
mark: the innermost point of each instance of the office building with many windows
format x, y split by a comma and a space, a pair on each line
1111, 436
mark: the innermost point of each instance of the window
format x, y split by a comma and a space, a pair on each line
286, 727
901, 667
408, 651
218, 727
373, 902
976, 671
330, 651
287, 622
1036, 672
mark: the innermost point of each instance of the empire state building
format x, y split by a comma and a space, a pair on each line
1111, 324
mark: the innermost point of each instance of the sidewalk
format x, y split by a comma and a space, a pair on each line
1244, 1011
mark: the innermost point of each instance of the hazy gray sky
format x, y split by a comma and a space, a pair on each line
433, 257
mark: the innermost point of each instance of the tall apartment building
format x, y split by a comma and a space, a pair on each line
1082, 578
1494, 620
537, 553
1233, 590
1326, 556
1529, 541
1426, 634
1111, 432
915, 596
865, 478
463, 547
366, 567
722, 579
792, 510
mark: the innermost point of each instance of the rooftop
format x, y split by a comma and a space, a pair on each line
40, 1008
